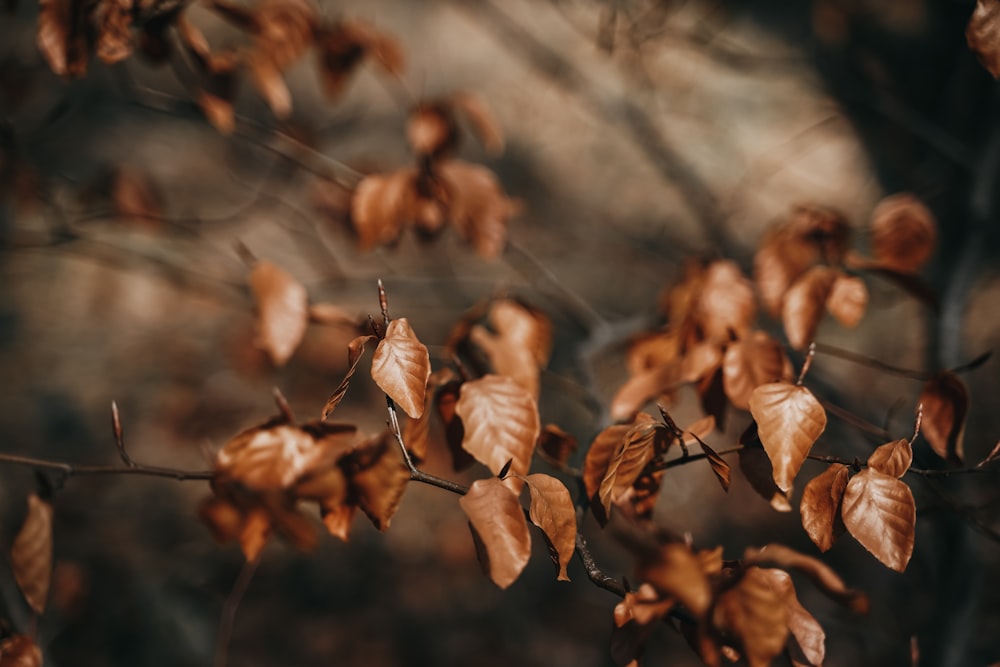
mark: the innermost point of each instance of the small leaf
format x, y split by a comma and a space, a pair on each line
820, 506
848, 300
945, 402
720, 468
497, 518
983, 35
903, 233
355, 350
698, 430
599, 454
749, 363
892, 458
381, 205
282, 310
803, 306
401, 367
552, 510
789, 420
628, 461
501, 422
31, 554
880, 513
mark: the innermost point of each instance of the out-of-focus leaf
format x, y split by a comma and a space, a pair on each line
700, 361
31, 554
381, 205
136, 198
754, 613
484, 124
417, 432
892, 458
945, 402
285, 30
477, 207
803, 306
748, 363
330, 314
62, 38
282, 310
377, 477
254, 533
342, 47
20, 651
521, 345
880, 513
983, 35
698, 430
726, 305
675, 572
355, 350
641, 388
789, 420
552, 510
269, 82
903, 233
804, 627
114, 37
501, 423
401, 367
431, 129
498, 520
847, 300
820, 506
821, 574
557, 444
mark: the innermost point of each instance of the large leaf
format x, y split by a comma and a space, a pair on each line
378, 478
401, 367
820, 506
903, 233
880, 513
892, 458
498, 521
748, 363
755, 613
789, 420
803, 306
501, 423
282, 310
945, 402
31, 554
552, 510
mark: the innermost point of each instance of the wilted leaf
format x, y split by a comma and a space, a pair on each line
677, 573
355, 350
757, 469
498, 520
401, 367
477, 207
778, 262
748, 363
628, 461
903, 233
501, 422
880, 513
726, 305
983, 34
820, 506
599, 454
31, 554
945, 402
789, 420
892, 458
330, 314
552, 510
114, 21
282, 310
847, 300
381, 205
377, 477
484, 124
20, 651
804, 627
821, 574
755, 614
803, 306
342, 48
431, 129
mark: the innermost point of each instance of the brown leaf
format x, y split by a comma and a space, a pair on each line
755, 614
819, 573
628, 461
62, 36
31, 554
113, 21
880, 513
789, 420
675, 572
803, 306
698, 430
477, 207
820, 506
847, 300
556, 444
804, 627
983, 35
720, 468
892, 458
285, 30
498, 520
522, 343
342, 48
599, 454
641, 388
726, 305
417, 432
355, 350
382, 204
903, 233
748, 363
330, 314
484, 124
501, 423
267, 79
218, 111
552, 510
20, 651
377, 478
254, 534
136, 198
431, 129
401, 367
945, 402
282, 310
700, 361
757, 469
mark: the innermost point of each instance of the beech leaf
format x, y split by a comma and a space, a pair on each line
31, 554
628, 461
726, 304
847, 300
804, 627
556, 444
381, 205
720, 468
483, 122
501, 422
755, 614
821, 574
599, 454
377, 476
282, 310
552, 510
675, 572
477, 207
945, 402
401, 367
803, 306
641, 388
748, 363
879, 511
892, 458
903, 233
820, 506
789, 420
498, 520
355, 350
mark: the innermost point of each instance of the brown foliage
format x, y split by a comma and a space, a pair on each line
820, 506
498, 522
552, 510
20, 651
982, 34
903, 233
789, 420
945, 402
282, 310
31, 554
879, 511
401, 367
501, 423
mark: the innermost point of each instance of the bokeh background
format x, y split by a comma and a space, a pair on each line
639, 132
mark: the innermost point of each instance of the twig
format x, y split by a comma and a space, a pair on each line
229, 611
594, 572
72, 470
116, 428
807, 364
862, 360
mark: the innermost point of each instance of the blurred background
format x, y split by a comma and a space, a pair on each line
639, 132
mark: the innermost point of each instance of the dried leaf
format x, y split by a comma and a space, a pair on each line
599, 454
903, 233
355, 350
285, 30
501, 423
755, 614
20, 651
267, 79
726, 305
847, 300
983, 35
757, 469
700, 361
381, 205
698, 430
522, 343
330, 314
114, 21
556, 444
255, 532
789, 420
804, 627
282, 310
820, 506
945, 402
31, 554
417, 432
892, 458
342, 48
477, 206
628, 461
749, 363
720, 468
552, 510
136, 198
675, 572
498, 520
401, 367
803, 306
431, 129
641, 388
378, 476
484, 124
880, 513
821, 574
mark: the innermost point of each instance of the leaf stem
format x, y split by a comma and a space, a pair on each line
806, 364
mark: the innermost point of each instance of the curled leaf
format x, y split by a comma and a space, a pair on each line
789, 420
820, 506
945, 402
628, 461
355, 350
401, 367
552, 510
892, 458
498, 521
879, 511
377, 477
31, 554
599, 454
282, 310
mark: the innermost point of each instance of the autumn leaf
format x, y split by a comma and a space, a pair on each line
755, 614
789, 420
282, 310
556, 444
501, 423
31, 554
847, 300
903, 233
599, 454
355, 350
284, 30
417, 432
982, 34
381, 205
879, 511
640, 389
818, 572
552, 510
945, 402
497, 519
803, 306
628, 461
748, 363
726, 304
892, 458
377, 477
700, 361
820, 506
803, 626
477, 207
401, 367
719, 466
343, 46
20, 651
675, 572
113, 21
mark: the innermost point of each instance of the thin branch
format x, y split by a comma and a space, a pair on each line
862, 360
229, 611
73, 470
116, 428
594, 572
